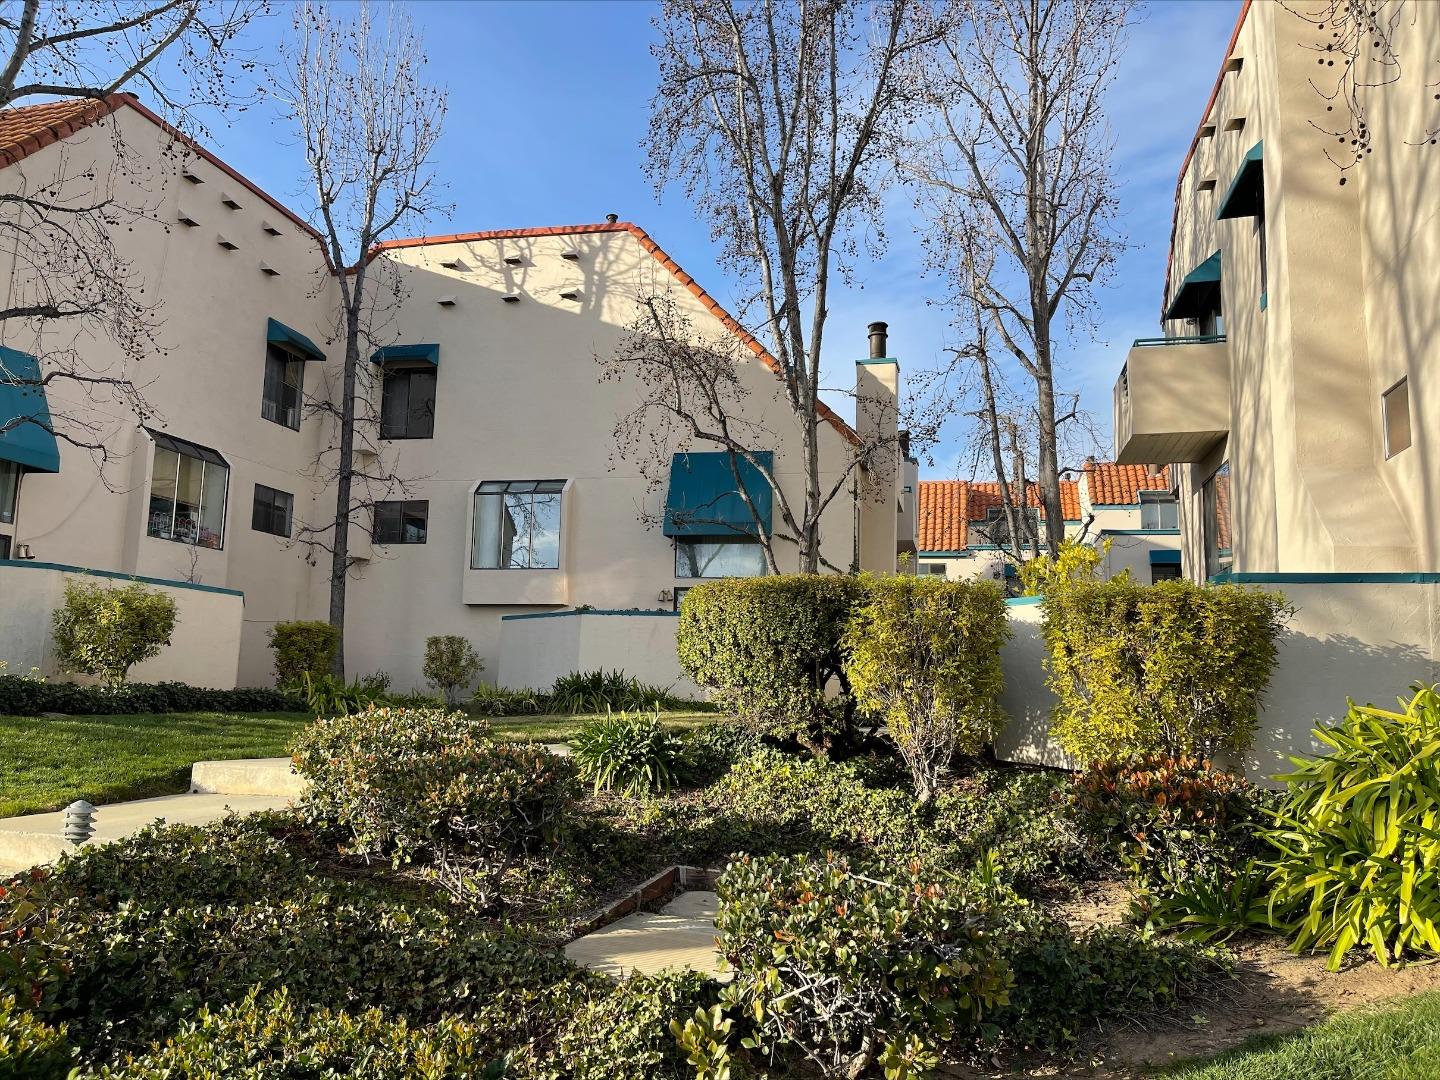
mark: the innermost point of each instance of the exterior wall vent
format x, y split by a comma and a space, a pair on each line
514, 260
572, 293
453, 264
1207, 131
192, 177
269, 229
185, 219
1235, 123
229, 200
573, 256
269, 271
511, 297
446, 301
226, 244
1206, 185
1233, 65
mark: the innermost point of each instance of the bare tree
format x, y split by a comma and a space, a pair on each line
776, 119
1014, 141
71, 282
368, 121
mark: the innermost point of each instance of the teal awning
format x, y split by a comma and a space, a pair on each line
26, 437
703, 499
1159, 557
1246, 195
278, 333
430, 354
1199, 294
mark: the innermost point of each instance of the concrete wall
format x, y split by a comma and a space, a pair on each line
203, 650
536, 648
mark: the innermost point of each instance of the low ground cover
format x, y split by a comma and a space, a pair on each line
47, 763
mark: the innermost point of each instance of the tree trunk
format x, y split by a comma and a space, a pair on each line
1049, 462
810, 535
345, 474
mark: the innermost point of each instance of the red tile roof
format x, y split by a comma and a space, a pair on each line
1109, 484
948, 506
710, 303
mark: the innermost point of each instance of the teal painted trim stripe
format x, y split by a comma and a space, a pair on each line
1194, 339
1139, 532
596, 611
943, 554
1307, 578
1022, 601
879, 360
116, 575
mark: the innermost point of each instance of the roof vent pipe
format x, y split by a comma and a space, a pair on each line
879, 340
612, 218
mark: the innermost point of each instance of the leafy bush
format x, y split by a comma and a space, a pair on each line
1172, 668
619, 1031
602, 691
30, 1049
20, 696
710, 751
628, 751
325, 695
303, 646
848, 970
450, 663
1358, 849
1077, 561
769, 648
106, 631
493, 701
1169, 820
430, 786
924, 656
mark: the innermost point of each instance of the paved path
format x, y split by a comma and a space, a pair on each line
681, 937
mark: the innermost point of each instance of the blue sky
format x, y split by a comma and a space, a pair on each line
549, 103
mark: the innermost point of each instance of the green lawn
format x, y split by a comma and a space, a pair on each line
47, 764
1398, 1042
560, 727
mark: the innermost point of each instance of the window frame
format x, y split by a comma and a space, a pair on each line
10, 492
271, 510
1400, 384
208, 458
292, 360
406, 506
505, 488
1159, 498
1218, 560
1170, 572
723, 541
408, 369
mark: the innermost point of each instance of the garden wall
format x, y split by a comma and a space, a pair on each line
1366, 640
204, 650
537, 647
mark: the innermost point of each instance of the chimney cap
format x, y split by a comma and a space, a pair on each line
879, 340
612, 218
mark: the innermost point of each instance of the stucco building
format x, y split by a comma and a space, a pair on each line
1292, 392
504, 493
962, 522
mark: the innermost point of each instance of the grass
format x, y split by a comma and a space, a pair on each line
561, 727
1397, 1042
47, 764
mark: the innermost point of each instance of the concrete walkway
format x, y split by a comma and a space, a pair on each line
681, 937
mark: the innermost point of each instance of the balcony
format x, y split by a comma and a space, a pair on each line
1172, 400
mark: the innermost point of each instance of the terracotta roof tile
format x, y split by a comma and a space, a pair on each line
1109, 484
948, 506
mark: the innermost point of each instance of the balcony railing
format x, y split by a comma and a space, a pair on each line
1199, 339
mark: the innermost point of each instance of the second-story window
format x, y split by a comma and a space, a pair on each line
401, 522
187, 493
1159, 510
284, 386
407, 405
272, 511
9, 490
517, 525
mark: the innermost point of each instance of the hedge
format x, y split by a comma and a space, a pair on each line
1173, 668
21, 696
303, 646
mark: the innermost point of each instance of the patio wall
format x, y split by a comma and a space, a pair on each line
535, 648
204, 650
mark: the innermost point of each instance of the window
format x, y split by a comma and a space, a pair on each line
1260, 241
187, 493
9, 490
272, 511
1219, 551
1396, 405
1159, 510
407, 402
284, 386
401, 522
5, 549
1163, 572
719, 558
934, 569
517, 525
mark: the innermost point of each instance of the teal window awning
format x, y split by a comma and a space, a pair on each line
1199, 294
704, 500
1246, 194
26, 437
277, 333
1160, 557
429, 354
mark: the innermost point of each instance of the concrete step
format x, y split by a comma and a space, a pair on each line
32, 839
682, 938
247, 776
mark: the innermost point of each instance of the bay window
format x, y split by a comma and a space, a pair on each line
188, 486
517, 525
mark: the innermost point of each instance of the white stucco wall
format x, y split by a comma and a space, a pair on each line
535, 649
203, 650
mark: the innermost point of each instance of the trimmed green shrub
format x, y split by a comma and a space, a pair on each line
451, 662
620, 1031
303, 646
770, 649
629, 752
1173, 668
493, 701
1358, 847
325, 695
105, 631
20, 696
430, 786
847, 971
604, 691
923, 656
31, 1049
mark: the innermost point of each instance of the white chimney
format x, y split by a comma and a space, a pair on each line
877, 418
